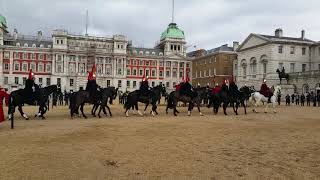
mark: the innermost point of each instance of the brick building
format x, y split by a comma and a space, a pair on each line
215, 64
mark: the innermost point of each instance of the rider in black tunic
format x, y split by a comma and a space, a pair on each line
144, 87
186, 88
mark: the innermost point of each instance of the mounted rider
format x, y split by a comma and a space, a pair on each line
186, 88
266, 91
31, 88
216, 89
144, 87
92, 86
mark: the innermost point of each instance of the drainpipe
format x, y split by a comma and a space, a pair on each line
310, 68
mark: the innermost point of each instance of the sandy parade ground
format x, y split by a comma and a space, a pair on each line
285, 145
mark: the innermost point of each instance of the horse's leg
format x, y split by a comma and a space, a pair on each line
109, 110
93, 110
244, 106
81, 109
266, 108
225, 105
22, 113
274, 107
145, 109
198, 106
137, 108
190, 107
99, 111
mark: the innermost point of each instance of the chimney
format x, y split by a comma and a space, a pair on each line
39, 36
303, 34
15, 34
235, 45
278, 32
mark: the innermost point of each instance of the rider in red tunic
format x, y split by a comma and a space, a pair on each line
265, 90
216, 89
3, 95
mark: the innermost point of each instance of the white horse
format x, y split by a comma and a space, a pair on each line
257, 98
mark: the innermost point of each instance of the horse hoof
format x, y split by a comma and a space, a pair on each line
201, 114
265, 112
152, 114
43, 118
27, 119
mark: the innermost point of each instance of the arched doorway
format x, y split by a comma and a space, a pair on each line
305, 88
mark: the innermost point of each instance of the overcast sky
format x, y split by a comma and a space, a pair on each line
207, 23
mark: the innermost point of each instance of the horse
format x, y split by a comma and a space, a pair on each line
19, 98
223, 97
47, 91
134, 97
282, 74
256, 98
175, 97
91, 95
109, 93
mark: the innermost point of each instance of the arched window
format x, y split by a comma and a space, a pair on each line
244, 68
41, 46
264, 62
253, 67
18, 44
34, 45
25, 45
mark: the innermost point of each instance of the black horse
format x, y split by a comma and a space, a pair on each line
175, 97
21, 97
47, 91
283, 74
136, 96
109, 93
91, 95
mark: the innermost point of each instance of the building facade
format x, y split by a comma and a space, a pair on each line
259, 56
65, 59
213, 66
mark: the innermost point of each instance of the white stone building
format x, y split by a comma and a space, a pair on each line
259, 56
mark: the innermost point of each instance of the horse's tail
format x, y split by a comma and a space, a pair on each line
10, 104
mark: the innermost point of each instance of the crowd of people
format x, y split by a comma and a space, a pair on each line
310, 98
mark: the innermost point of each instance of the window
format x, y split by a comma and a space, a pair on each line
15, 55
5, 80
71, 82
128, 84
119, 71
6, 55
174, 74
128, 62
244, 72
33, 56
147, 72
292, 48
24, 79
153, 73
134, 73
59, 82
167, 73
119, 84
140, 72
16, 66
292, 67
48, 67
99, 69
253, 69
161, 73
6, 67
108, 83
40, 80
25, 56
40, 67
319, 50
147, 63
264, 69
59, 69
304, 67
48, 81
303, 51
181, 74
319, 67
134, 84
108, 70
24, 67
168, 64
280, 49
16, 80
128, 72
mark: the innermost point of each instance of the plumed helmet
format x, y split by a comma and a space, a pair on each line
31, 75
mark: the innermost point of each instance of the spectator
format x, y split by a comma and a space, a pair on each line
302, 98
308, 99
287, 100
318, 99
279, 99
292, 98
297, 99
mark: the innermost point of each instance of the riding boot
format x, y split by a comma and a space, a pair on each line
269, 99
